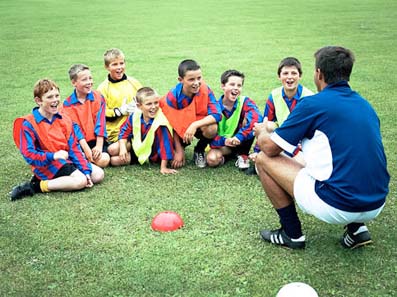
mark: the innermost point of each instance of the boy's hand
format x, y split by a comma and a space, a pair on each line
179, 159
61, 154
131, 107
189, 134
89, 181
253, 156
124, 107
123, 153
96, 153
232, 142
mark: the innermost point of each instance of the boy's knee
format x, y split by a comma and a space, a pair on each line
113, 149
104, 161
97, 175
214, 158
210, 131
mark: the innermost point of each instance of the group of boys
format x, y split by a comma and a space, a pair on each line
125, 123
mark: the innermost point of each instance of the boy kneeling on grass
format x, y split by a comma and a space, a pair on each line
49, 144
149, 132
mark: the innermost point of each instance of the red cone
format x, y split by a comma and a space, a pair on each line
167, 221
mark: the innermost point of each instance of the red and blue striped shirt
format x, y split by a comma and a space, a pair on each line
163, 144
42, 161
176, 99
90, 115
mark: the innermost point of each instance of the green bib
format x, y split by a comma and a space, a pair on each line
226, 127
281, 107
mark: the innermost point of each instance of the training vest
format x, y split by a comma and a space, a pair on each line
227, 127
52, 137
281, 107
85, 114
180, 119
143, 149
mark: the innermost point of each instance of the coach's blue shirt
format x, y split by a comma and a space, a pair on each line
342, 147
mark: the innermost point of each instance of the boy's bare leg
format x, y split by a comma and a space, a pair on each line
76, 181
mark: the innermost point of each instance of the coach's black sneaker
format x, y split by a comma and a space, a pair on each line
279, 237
352, 240
20, 191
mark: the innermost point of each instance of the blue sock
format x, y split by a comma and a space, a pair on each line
289, 221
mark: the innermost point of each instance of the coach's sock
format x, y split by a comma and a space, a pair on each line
289, 221
353, 227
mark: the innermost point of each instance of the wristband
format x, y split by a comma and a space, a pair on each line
117, 112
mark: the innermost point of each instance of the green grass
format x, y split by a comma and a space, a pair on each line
98, 242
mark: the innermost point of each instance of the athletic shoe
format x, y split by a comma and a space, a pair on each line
20, 191
199, 159
251, 171
242, 162
352, 240
279, 237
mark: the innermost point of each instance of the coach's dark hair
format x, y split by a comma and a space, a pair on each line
187, 65
290, 61
335, 63
228, 73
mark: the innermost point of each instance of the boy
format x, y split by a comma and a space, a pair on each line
119, 91
193, 111
235, 130
283, 100
86, 108
150, 134
48, 143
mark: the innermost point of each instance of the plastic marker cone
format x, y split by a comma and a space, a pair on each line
167, 221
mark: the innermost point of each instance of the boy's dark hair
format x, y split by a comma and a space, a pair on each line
76, 69
290, 61
42, 86
228, 73
335, 63
187, 65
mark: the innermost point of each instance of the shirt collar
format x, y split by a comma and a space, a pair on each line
39, 118
74, 99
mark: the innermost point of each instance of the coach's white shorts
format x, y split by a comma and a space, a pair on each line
309, 202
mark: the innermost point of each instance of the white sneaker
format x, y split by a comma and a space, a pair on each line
199, 159
242, 162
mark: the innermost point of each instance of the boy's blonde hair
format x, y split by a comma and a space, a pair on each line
145, 93
76, 69
111, 55
42, 86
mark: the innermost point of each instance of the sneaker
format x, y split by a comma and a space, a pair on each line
20, 191
199, 159
352, 240
251, 171
279, 237
242, 162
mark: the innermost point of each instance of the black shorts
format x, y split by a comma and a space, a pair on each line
65, 170
92, 143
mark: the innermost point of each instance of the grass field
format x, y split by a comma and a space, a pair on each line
98, 242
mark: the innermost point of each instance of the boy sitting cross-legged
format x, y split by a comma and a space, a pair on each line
146, 135
48, 143
235, 130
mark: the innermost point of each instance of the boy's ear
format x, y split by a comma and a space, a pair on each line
37, 100
180, 79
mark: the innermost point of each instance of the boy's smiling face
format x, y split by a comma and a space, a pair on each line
48, 103
289, 77
191, 82
116, 68
232, 89
149, 107
83, 83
